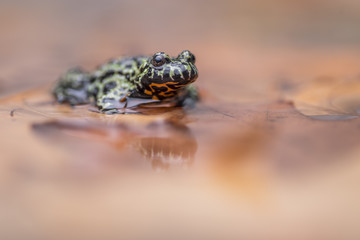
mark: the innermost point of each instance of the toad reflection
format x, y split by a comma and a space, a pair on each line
164, 153
168, 145
163, 143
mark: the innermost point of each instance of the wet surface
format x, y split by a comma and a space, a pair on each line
236, 157
162, 143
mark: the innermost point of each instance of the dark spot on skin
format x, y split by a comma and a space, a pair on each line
160, 89
92, 79
171, 93
185, 73
174, 87
109, 86
192, 73
156, 76
177, 75
167, 73
120, 72
128, 66
149, 73
106, 75
138, 63
127, 76
182, 67
96, 91
147, 87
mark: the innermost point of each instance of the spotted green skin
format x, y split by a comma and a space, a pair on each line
116, 83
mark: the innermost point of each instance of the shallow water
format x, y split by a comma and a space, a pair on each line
217, 164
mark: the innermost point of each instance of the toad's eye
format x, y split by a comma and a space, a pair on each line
158, 60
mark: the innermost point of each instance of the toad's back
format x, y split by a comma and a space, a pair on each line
113, 81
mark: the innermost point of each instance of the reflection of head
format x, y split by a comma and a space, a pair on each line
167, 144
166, 152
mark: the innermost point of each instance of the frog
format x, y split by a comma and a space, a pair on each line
126, 82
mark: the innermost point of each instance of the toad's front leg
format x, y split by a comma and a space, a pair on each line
111, 103
188, 97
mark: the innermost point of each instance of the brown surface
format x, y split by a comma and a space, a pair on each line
272, 151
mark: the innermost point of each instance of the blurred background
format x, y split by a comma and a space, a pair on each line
231, 39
